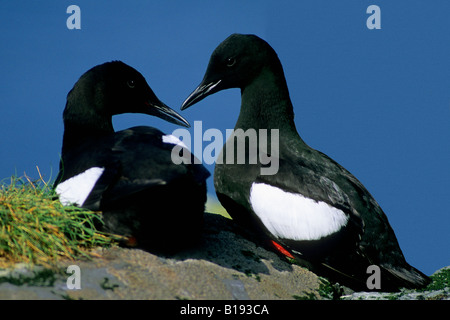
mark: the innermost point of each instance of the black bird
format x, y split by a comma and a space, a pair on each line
306, 203
128, 175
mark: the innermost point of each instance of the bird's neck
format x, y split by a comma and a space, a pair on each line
266, 105
77, 133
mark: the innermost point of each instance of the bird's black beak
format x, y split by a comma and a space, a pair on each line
162, 111
201, 92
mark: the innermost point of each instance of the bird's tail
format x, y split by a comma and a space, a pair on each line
407, 277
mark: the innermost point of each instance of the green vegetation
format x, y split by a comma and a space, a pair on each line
36, 228
306, 296
106, 285
439, 280
41, 278
251, 255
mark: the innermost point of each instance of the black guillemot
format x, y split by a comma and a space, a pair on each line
312, 208
128, 175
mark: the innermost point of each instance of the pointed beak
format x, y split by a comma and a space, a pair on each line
162, 111
201, 92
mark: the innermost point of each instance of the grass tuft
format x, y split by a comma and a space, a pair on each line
36, 228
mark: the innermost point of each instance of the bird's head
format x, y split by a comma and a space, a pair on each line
114, 88
235, 63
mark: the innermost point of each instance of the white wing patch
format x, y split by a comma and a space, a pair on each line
76, 189
293, 216
168, 138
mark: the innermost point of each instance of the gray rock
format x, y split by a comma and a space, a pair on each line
224, 265
438, 290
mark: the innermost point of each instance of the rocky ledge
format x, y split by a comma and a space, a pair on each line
223, 266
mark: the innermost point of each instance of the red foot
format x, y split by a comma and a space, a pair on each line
131, 242
282, 250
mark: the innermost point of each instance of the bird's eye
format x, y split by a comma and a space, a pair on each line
131, 83
231, 62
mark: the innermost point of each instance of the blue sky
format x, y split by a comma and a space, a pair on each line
376, 101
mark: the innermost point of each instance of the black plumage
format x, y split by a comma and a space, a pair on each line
141, 193
360, 232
